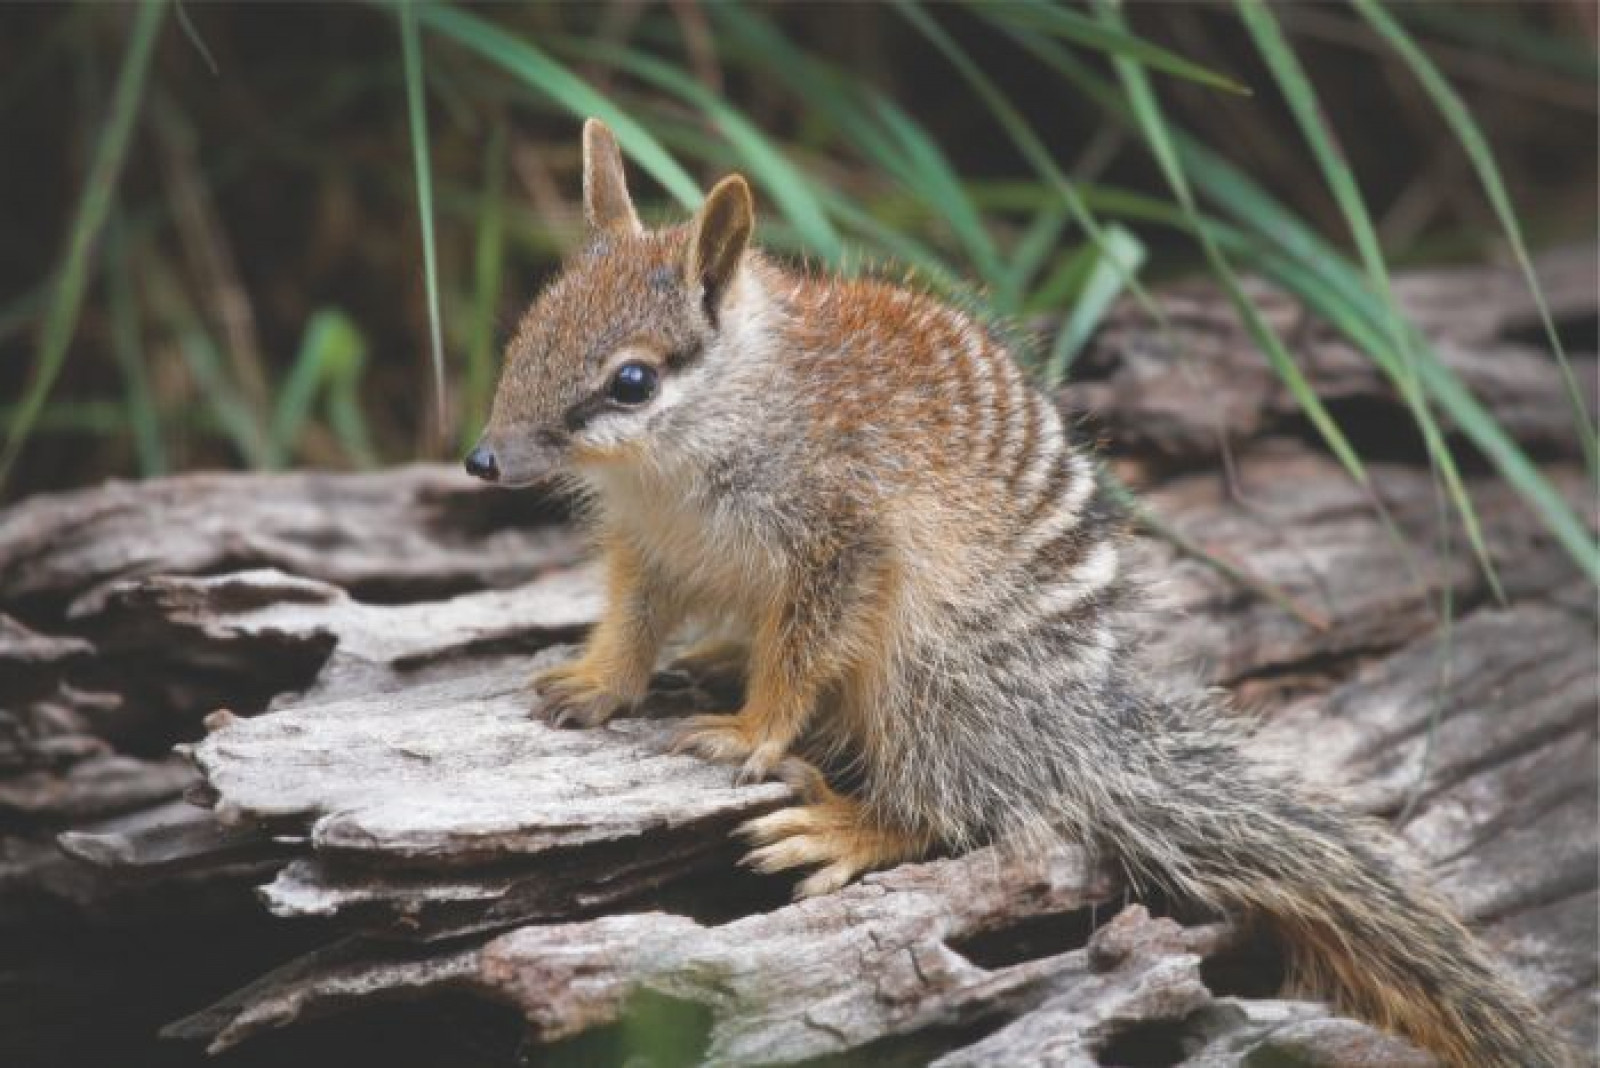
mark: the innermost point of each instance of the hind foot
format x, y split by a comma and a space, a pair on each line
836, 833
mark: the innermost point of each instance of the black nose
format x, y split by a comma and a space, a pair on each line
480, 463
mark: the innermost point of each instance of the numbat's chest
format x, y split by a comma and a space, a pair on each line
715, 557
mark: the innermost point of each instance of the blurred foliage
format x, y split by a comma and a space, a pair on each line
296, 234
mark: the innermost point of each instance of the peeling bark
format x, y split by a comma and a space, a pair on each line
342, 657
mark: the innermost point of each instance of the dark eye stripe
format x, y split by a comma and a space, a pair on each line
685, 357
575, 417
586, 409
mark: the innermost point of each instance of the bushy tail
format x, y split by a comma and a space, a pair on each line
1202, 825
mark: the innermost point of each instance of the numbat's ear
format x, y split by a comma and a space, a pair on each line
719, 236
605, 188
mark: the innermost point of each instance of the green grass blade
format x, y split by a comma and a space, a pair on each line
417, 119
1057, 289
939, 184
61, 317
330, 337
297, 394
1335, 291
349, 426
1028, 255
1296, 87
1303, 105
791, 190
1482, 429
216, 399
1476, 146
872, 124
332, 353
893, 242
1153, 125
1321, 277
97, 418
1028, 142
192, 32
1115, 42
233, 413
547, 77
489, 259
1100, 289
750, 36
1361, 323
1060, 59
875, 232
127, 345
345, 361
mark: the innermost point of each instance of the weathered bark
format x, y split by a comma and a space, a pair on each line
344, 657
1184, 402
30, 662
1373, 729
414, 532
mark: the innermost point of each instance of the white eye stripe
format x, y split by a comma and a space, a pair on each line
619, 424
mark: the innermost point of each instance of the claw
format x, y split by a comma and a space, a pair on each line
803, 778
584, 711
760, 764
718, 738
568, 698
775, 825
833, 877
798, 852
835, 836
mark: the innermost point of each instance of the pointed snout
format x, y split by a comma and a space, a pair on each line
516, 459
481, 463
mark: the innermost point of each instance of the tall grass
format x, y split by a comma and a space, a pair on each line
857, 179
94, 207
417, 119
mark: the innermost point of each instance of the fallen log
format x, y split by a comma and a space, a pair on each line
375, 779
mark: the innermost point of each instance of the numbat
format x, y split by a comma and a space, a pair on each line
856, 480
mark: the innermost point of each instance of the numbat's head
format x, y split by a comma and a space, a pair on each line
609, 354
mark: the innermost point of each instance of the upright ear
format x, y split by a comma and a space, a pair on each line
719, 236
605, 188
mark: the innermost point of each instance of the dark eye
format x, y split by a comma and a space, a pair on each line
634, 383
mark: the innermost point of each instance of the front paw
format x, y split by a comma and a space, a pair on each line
729, 740
568, 696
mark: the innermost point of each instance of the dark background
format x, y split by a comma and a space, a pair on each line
281, 185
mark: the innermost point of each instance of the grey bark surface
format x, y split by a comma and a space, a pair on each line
340, 660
